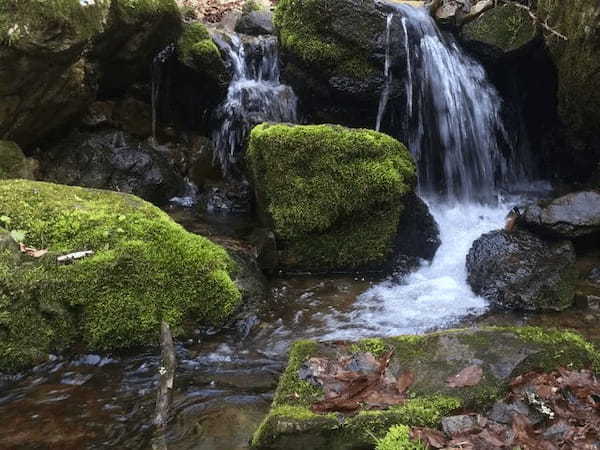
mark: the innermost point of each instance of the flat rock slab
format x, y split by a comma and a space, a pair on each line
432, 360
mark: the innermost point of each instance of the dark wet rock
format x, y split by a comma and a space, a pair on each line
503, 412
112, 160
571, 216
594, 275
519, 270
256, 23
227, 199
418, 232
128, 114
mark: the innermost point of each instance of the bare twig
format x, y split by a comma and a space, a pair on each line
65, 259
165, 390
536, 19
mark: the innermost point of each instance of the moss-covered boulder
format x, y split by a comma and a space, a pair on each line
145, 268
333, 195
333, 57
14, 164
55, 54
507, 27
433, 359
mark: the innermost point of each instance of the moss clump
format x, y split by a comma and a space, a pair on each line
133, 10
27, 23
145, 269
333, 195
197, 50
305, 31
375, 346
13, 163
507, 27
398, 438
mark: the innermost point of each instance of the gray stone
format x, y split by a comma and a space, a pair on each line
459, 424
256, 23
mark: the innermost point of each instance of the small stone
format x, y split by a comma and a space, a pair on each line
459, 424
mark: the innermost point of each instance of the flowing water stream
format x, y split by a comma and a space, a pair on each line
224, 384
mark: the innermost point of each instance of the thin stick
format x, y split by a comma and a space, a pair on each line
165, 391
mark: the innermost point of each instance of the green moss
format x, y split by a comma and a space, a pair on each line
145, 269
250, 6
197, 50
375, 346
333, 194
131, 11
29, 21
305, 31
398, 438
13, 163
507, 27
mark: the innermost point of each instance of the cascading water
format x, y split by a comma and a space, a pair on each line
452, 114
255, 95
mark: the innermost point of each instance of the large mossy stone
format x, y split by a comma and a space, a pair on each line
506, 27
145, 269
332, 195
13, 163
333, 57
501, 353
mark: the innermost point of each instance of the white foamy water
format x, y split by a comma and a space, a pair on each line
437, 294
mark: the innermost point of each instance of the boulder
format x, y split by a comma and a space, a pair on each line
495, 354
333, 54
145, 268
56, 55
112, 159
519, 270
333, 195
256, 23
14, 164
571, 216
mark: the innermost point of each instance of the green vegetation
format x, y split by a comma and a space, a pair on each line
333, 194
250, 6
29, 20
398, 438
197, 50
145, 268
305, 31
13, 163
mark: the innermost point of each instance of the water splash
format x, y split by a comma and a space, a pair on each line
255, 95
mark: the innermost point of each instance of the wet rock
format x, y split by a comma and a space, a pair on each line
594, 275
459, 424
519, 270
227, 199
256, 23
503, 412
112, 160
418, 232
571, 216
431, 359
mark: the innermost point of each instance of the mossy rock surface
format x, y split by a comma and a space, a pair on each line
197, 51
333, 195
145, 268
56, 54
502, 353
506, 27
13, 163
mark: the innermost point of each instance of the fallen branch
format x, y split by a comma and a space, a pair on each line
536, 19
165, 390
66, 259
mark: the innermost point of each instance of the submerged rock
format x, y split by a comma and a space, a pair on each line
145, 268
571, 216
112, 159
519, 270
333, 196
499, 353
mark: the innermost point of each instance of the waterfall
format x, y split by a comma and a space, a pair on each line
451, 113
387, 73
255, 95
158, 64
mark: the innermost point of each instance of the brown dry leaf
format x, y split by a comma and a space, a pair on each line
33, 252
405, 381
469, 376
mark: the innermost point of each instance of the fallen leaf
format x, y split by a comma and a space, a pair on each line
469, 376
431, 437
405, 381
